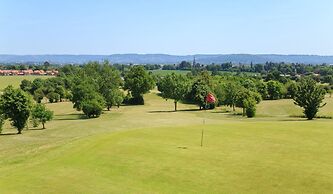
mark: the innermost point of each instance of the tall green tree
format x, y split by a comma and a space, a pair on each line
82, 92
16, 105
93, 108
41, 114
38, 95
174, 87
113, 97
246, 99
109, 86
26, 85
231, 94
275, 90
199, 92
309, 96
138, 82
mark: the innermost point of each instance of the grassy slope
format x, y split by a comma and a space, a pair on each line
140, 150
16, 80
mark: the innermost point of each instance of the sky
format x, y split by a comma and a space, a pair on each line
177, 27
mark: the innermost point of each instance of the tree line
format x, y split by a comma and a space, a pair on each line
95, 87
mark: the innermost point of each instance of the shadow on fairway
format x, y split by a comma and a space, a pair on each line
171, 111
70, 117
36, 129
8, 134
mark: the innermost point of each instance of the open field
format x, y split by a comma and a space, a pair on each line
16, 80
166, 72
147, 149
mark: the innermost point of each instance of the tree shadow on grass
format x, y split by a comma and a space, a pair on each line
70, 117
8, 134
36, 129
172, 111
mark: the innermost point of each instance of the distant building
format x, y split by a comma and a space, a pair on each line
28, 72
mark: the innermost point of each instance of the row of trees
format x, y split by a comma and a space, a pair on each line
182, 88
97, 86
240, 92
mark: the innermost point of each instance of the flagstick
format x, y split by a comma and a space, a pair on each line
202, 133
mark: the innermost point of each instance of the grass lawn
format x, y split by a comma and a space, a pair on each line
166, 72
148, 149
16, 80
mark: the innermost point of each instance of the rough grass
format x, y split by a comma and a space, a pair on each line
150, 149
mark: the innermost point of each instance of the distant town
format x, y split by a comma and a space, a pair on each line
28, 72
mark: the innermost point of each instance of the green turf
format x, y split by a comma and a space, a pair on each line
148, 149
16, 80
166, 72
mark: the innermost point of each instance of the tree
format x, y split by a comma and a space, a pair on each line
231, 92
185, 65
174, 87
92, 108
199, 92
16, 105
82, 92
36, 84
114, 97
275, 90
53, 97
138, 82
41, 114
61, 91
291, 88
26, 85
38, 95
109, 84
309, 96
247, 99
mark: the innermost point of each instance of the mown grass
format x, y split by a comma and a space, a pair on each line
16, 80
166, 72
150, 149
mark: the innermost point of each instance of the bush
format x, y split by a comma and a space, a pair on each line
92, 108
130, 100
250, 107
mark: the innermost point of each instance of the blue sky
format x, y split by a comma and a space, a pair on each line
166, 26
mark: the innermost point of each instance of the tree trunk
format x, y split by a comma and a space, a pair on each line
108, 108
43, 125
243, 112
175, 106
19, 131
233, 108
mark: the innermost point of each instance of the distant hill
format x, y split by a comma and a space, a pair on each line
166, 59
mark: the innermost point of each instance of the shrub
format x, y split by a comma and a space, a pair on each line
250, 107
